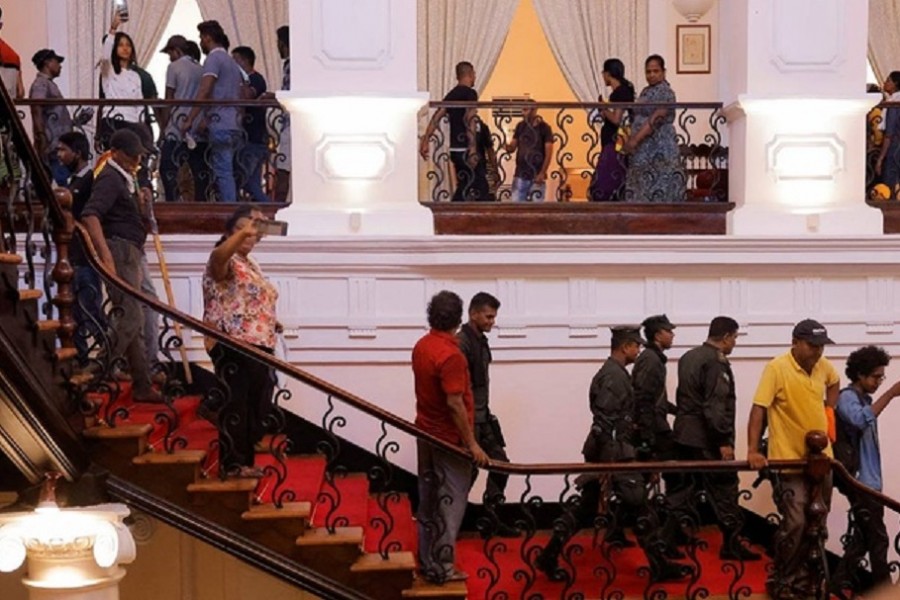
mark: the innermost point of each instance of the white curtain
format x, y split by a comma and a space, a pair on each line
252, 23
884, 41
584, 33
89, 22
451, 31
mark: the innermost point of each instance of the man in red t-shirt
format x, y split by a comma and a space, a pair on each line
10, 68
446, 410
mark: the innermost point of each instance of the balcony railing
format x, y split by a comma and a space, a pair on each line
683, 157
182, 166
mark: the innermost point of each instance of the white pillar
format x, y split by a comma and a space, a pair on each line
794, 89
353, 105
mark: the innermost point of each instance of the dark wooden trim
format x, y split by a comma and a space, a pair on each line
890, 209
579, 218
202, 217
222, 538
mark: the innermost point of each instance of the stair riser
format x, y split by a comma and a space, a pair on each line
225, 508
388, 584
278, 534
332, 560
167, 481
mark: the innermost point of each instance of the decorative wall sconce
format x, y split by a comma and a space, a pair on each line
692, 10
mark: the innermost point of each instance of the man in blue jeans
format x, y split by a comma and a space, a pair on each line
253, 154
533, 144
221, 81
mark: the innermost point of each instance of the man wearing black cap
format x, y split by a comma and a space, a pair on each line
182, 83
113, 219
611, 399
704, 430
50, 121
792, 395
651, 400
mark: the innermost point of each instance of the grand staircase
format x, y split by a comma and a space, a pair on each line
326, 516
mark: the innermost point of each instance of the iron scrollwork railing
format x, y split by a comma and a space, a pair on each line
684, 159
181, 164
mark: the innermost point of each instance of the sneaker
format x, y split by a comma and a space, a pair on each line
454, 575
550, 567
670, 571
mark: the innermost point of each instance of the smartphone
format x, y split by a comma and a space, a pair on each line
267, 227
120, 7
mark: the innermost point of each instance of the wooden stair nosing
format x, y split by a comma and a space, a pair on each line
29, 294
66, 354
373, 562
102, 432
319, 536
8, 258
179, 457
229, 485
268, 511
424, 589
48, 325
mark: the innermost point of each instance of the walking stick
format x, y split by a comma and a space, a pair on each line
167, 284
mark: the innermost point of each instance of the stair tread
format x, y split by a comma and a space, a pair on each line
288, 510
247, 484
7, 258
29, 294
48, 325
80, 379
319, 536
119, 432
424, 589
66, 353
180, 457
396, 561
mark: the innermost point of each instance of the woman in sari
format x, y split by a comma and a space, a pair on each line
655, 173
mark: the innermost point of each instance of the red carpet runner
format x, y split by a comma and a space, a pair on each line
305, 479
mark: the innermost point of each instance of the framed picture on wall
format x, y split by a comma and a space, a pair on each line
692, 49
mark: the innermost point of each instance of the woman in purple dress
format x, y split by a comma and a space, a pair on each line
608, 181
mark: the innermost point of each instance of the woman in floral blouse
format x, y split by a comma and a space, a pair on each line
240, 301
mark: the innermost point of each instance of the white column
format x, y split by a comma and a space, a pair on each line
353, 106
794, 88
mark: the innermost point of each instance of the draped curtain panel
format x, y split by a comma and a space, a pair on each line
584, 33
252, 23
89, 21
451, 31
884, 41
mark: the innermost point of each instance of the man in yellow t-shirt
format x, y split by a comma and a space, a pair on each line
791, 396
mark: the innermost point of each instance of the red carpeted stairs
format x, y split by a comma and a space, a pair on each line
358, 523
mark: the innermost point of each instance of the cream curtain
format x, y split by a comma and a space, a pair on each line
884, 41
451, 31
89, 21
584, 33
252, 23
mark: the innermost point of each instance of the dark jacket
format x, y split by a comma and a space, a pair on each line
116, 207
705, 399
474, 346
651, 399
612, 406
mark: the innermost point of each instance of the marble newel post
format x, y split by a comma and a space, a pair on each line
353, 105
793, 78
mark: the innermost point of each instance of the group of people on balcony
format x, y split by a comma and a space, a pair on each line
798, 393
217, 152
638, 161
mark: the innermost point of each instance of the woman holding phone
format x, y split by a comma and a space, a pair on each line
240, 301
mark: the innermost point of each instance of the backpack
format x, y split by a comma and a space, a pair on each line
846, 448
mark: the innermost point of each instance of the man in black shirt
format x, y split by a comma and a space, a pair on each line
651, 400
112, 216
253, 154
533, 144
73, 151
474, 345
704, 430
471, 172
